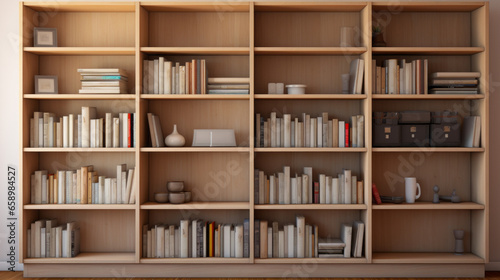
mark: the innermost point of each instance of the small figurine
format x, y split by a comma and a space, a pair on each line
459, 241
435, 198
453, 198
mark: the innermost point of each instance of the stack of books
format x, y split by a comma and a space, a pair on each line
228, 85
454, 82
103, 80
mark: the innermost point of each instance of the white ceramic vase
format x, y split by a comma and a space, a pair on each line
175, 139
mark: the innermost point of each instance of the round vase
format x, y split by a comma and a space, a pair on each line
175, 139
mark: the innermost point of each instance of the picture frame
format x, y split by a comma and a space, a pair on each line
44, 37
46, 84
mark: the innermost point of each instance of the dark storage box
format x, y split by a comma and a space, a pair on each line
390, 118
415, 135
385, 135
444, 117
415, 117
445, 135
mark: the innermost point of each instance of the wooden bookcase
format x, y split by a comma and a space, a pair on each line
268, 42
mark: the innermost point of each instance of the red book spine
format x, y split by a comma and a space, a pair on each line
347, 136
129, 127
376, 194
316, 192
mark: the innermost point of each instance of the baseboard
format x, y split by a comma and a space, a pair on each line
493, 266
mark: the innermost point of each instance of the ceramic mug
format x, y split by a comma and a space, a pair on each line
411, 188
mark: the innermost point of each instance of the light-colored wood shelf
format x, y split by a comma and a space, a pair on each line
197, 50
310, 207
213, 6
80, 207
70, 96
310, 50
211, 260
196, 150
428, 50
197, 206
97, 258
312, 260
197, 96
81, 50
82, 6
427, 6
310, 96
428, 96
427, 150
310, 150
429, 206
309, 6
431, 258
79, 150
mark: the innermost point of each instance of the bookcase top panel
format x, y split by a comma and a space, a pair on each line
222, 7
81, 6
427, 6
309, 6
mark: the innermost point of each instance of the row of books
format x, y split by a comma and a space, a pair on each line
83, 130
46, 239
155, 131
303, 241
308, 131
103, 80
195, 239
454, 82
282, 188
161, 76
400, 76
83, 186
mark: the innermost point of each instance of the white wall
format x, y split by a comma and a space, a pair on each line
9, 121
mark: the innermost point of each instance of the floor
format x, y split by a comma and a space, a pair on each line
6, 275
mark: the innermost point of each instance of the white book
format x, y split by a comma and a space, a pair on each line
301, 227
70, 228
347, 186
64, 243
354, 131
75, 193
361, 130
309, 172
278, 133
287, 130
156, 81
36, 127
116, 132
93, 137
322, 188
319, 132
341, 134
346, 237
184, 239
65, 131
335, 191
59, 241
182, 80
299, 189
107, 191
121, 188
88, 113
161, 74
51, 132
291, 241
177, 246
281, 188
194, 235
358, 229
108, 131
272, 190
119, 169
305, 189
172, 242
167, 77
273, 130
328, 193
40, 132
227, 241
281, 244
61, 188
160, 241
293, 191
127, 195
124, 129
306, 119
341, 188
313, 133
43, 243
269, 242
238, 241
71, 132
102, 190
354, 189
287, 187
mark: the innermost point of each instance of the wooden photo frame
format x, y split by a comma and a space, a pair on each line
44, 37
46, 84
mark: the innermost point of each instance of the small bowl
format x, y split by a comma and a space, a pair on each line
176, 198
187, 196
296, 89
161, 197
175, 186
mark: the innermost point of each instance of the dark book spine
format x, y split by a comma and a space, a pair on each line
246, 238
316, 193
199, 239
261, 131
257, 239
256, 186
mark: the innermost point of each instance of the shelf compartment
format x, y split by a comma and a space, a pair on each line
85, 257
428, 96
311, 260
80, 207
81, 50
197, 150
428, 50
428, 150
198, 50
309, 50
430, 206
71, 96
310, 96
196, 96
310, 150
197, 206
430, 258
310, 207
79, 150
209, 260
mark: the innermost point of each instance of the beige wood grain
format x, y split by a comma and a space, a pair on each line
81, 6
419, 230
197, 205
65, 68
173, 217
205, 6
276, 6
87, 258
203, 29
429, 50
80, 207
294, 29
30, 68
80, 96
425, 258
217, 260
427, 6
296, 261
64, 108
81, 50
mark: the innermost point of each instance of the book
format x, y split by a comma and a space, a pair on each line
301, 224
228, 80
460, 75
330, 243
346, 237
471, 131
376, 194
358, 229
263, 239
